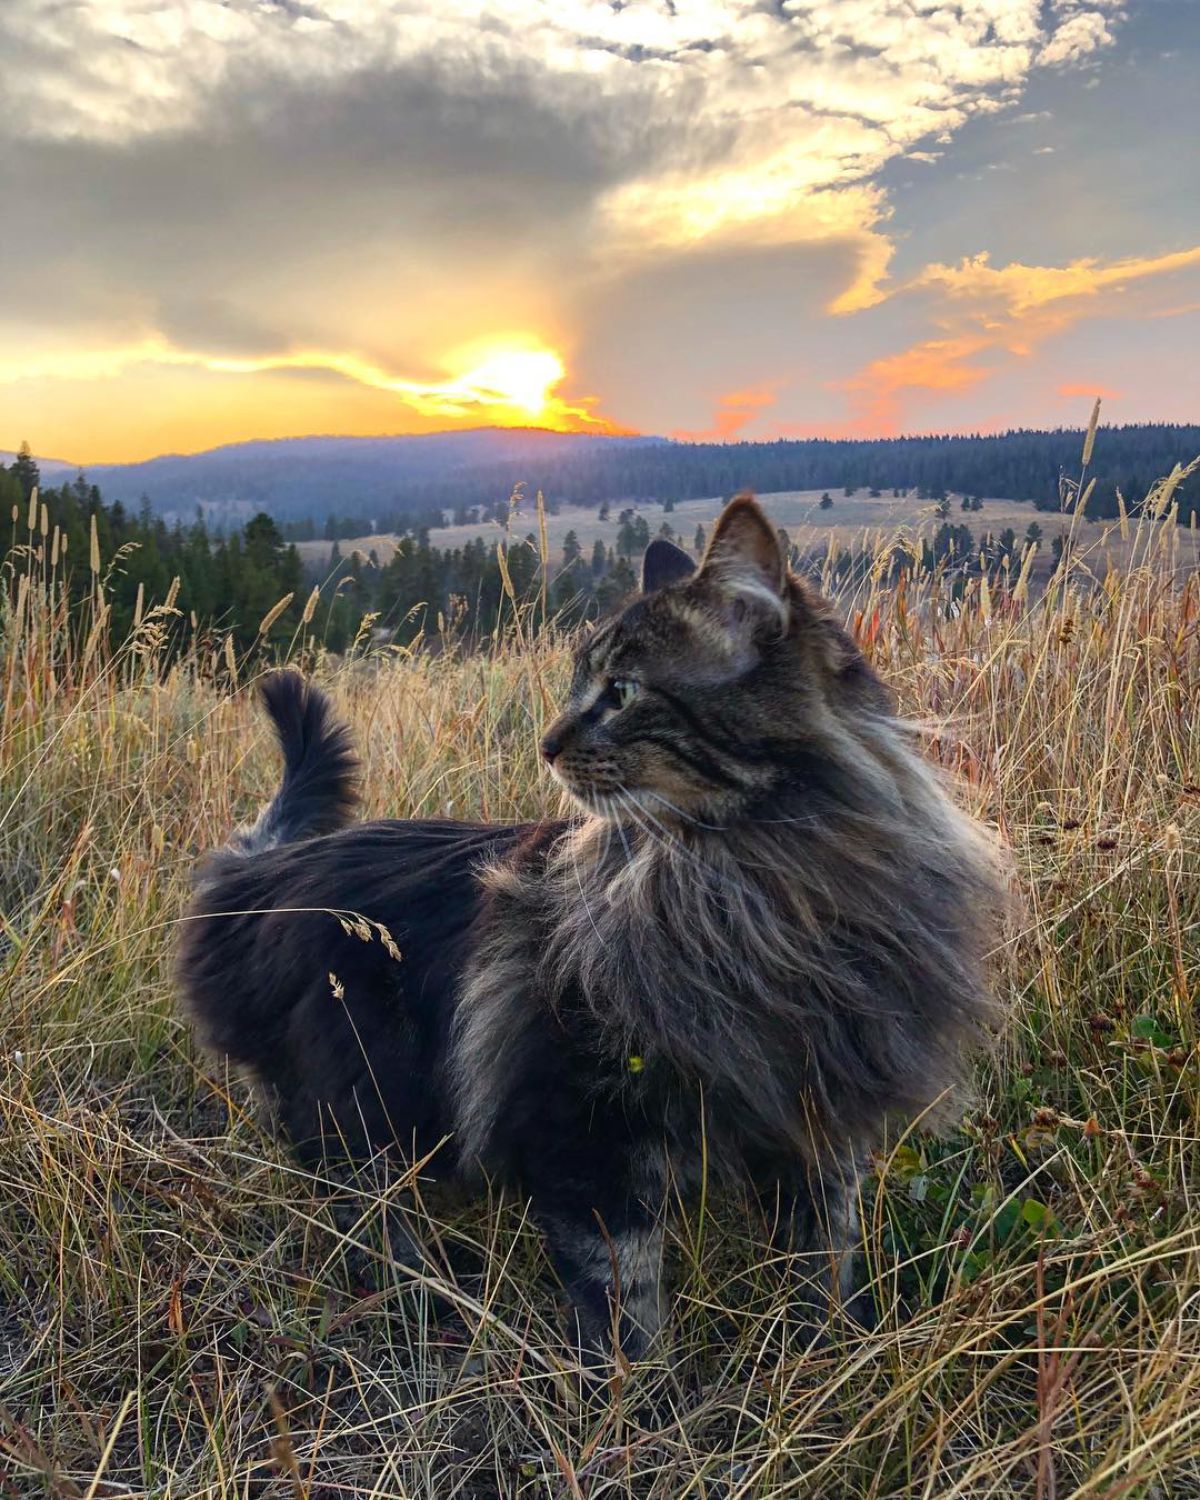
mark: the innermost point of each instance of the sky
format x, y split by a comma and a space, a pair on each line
715, 219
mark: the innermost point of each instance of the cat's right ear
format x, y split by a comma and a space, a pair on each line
745, 562
664, 563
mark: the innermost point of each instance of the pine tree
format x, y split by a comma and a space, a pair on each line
25, 471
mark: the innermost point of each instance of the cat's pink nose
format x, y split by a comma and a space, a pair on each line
552, 745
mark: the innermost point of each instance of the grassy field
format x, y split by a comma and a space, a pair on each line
857, 523
182, 1314
851, 521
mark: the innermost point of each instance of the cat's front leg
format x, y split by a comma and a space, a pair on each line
812, 1213
609, 1257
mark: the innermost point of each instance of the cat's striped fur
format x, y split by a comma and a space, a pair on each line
766, 934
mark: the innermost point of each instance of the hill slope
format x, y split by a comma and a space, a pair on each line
388, 482
313, 476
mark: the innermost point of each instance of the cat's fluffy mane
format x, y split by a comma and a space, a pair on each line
817, 966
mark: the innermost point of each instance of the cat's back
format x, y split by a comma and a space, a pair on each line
381, 911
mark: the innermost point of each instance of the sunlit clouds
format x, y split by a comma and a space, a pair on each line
997, 294
710, 217
993, 312
735, 410
882, 394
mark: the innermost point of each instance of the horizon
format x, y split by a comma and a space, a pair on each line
707, 223
85, 466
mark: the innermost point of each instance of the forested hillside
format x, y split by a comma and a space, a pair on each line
310, 477
398, 483
228, 584
1011, 466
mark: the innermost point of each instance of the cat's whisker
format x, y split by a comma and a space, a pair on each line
686, 816
624, 839
652, 829
810, 820
663, 836
659, 834
579, 882
745, 864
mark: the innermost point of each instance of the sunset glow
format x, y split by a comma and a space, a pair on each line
523, 378
501, 387
722, 220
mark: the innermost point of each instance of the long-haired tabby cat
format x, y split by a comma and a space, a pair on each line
762, 935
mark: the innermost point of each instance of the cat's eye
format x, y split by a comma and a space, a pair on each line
623, 691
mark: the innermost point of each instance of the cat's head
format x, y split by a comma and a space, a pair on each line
716, 686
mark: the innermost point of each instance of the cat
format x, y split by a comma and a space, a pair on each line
761, 938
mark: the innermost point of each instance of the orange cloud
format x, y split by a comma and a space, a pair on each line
1004, 311
1016, 290
734, 411
1093, 391
939, 365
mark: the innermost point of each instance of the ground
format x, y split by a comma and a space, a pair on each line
183, 1314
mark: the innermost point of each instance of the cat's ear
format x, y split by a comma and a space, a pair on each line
745, 559
664, 563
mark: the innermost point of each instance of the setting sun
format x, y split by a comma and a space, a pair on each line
516, 377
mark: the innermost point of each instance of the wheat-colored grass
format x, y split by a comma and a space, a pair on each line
182, 1314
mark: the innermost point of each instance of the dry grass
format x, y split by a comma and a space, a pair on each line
181, 1314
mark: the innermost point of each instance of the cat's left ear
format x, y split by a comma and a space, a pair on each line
664, 563
745, 559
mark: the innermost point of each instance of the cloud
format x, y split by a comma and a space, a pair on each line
1091, 391
1078, 37
713, 118
989, 314
506, 386
882, 392
374, 183
134, 68
1004, 296
734, 412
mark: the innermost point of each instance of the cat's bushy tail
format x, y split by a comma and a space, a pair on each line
319, 791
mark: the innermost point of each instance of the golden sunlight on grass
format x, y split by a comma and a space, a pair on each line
182, 1314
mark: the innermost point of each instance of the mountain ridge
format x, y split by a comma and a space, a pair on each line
295, 475
408, 480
